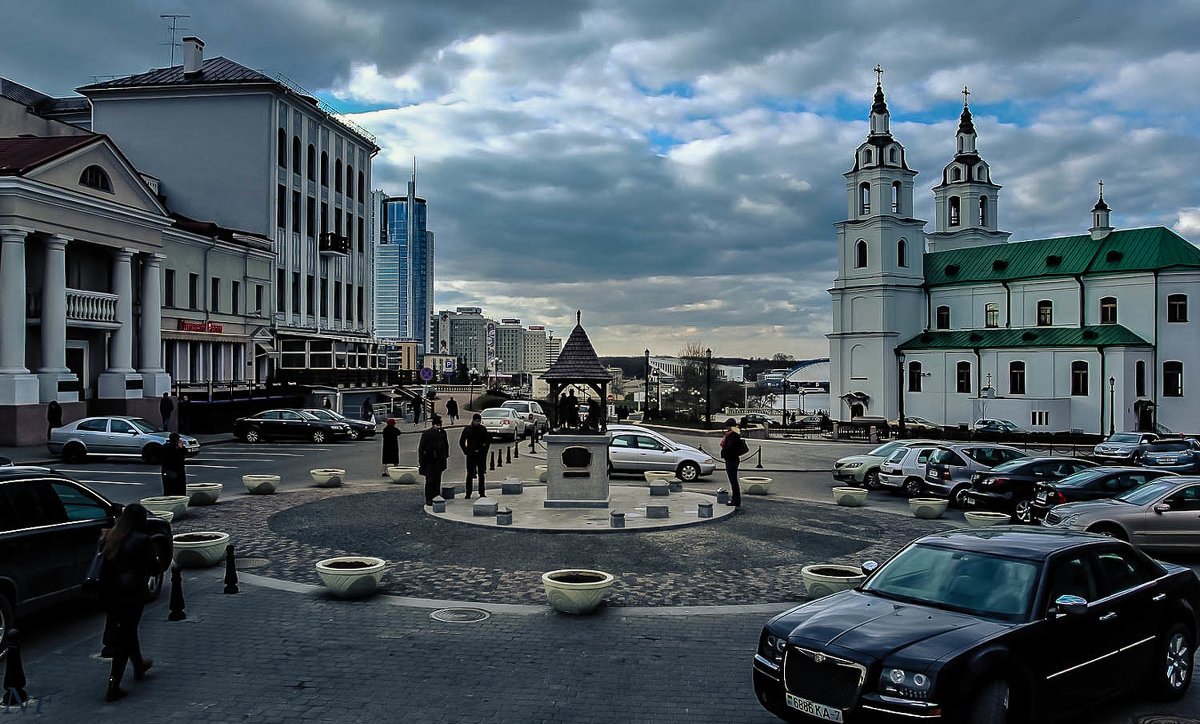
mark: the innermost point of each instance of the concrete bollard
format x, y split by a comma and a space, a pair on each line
231, 582
447, 492
504, 516
176, 604
14, 672
722, 496
484, 507
493, 460
659, 489
705, 510
500, 459
516, 451
508, 454
676, 485
658, 511
512, 486
616, 519
439, 504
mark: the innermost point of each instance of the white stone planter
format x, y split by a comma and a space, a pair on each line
928, 508
351, 576
203, 493
327, 477
823, 579
403, 475
165, 515
850, 497
658, 476
259, 484
752, 485
576, 590
542, 471
173, 504
201, 549
984, 518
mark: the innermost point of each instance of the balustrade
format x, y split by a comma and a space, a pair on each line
89, 306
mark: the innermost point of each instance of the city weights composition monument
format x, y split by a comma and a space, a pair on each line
577, 446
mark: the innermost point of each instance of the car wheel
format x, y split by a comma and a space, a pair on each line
252, 435
6, 618
318, 436
74, 452
958, 498
1171, 673
912, 487
1109, 530
1023, 511
688, 471
871, 479
353, 434
991, 704
152, 454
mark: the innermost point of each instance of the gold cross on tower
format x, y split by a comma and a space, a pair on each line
965, 94
878, 74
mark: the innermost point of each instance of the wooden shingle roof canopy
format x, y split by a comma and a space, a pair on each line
577, 362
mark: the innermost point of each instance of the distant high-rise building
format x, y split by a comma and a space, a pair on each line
535, 349
403, 268
510, 346
553, 347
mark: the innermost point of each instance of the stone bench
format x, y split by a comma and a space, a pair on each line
661, 488
658, 511
484, 507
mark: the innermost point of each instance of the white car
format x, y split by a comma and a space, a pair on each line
905, 469
503, 422
531, 412
116, 435
634, 449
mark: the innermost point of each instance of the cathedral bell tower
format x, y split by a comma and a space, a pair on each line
966, 199
878, 300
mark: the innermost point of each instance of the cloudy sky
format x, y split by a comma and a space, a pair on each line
674, 168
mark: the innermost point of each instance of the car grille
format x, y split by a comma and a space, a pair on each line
1053, 518
822, 678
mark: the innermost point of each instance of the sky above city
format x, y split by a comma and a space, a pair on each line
674, 169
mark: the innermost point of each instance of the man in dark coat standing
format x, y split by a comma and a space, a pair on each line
185, 414
452, 409
475, 441
165, 408
174, 473
53, 417
432, 452
391, 445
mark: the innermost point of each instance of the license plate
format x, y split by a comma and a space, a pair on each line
812, 708
970, 499
1041, 497
932, 475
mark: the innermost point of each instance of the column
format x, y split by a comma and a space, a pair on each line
54, 324
115, 382
17, 386
155, 379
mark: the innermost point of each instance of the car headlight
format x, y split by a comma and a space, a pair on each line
710, 461
853, 465
906, 684
773, 647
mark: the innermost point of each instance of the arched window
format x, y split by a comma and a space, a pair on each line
991, 315
296, 157
864, 198
892, 155
337, 175
866, 155
943, 318
1177, 308
1079, 378
1172, 379
963, 377
349, 181
1139, 379
361, 186
1016, 378
902, 253
95, 177
914, 376
324, 169
860, 254
983, 220
1045, 313
895, 197
311, 166
955, 174
953, 211
1108, 310
281, 147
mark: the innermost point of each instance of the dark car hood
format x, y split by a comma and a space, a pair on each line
878, 627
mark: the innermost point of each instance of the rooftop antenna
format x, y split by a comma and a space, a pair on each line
173, 28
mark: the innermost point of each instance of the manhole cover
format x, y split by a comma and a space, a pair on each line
250, 562
460, 615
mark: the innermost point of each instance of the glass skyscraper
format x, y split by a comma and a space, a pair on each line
404, 269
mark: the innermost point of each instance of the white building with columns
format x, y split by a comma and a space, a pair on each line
1090, 332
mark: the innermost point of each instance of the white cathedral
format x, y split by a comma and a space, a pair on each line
1088, 333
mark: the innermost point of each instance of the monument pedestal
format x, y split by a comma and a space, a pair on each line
577, 471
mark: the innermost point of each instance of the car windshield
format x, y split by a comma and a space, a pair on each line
518, 406
1147, 493
1174, 446
1010, 466
887, 448
144, 425
496, 412
1080, 479
306, 415
966, 581
1123, 437
322, 414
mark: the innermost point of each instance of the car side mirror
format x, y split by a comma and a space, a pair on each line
117, 509
1162, 508
1071, 605
869, 567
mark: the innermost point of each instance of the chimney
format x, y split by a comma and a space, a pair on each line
193, 55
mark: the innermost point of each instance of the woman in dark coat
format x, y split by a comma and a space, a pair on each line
174, 473
53, 417
391, 445
130, 558
733, 447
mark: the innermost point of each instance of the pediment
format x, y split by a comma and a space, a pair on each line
128, 188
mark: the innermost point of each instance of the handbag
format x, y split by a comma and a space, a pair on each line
91, 580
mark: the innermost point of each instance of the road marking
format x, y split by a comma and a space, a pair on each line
266, 452
108, 482
109, 472
195, 462
216, 467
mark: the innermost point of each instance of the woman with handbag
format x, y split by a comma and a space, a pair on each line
130, 558
174, 472
733, 447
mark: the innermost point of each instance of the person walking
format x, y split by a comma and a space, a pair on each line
185, 414
130, 559
391, 445
165, 408
733, 447
174, 472
326, 403
432, 453
452, 409
368, 409
475, 441
53, 417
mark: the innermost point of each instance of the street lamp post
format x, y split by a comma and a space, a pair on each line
1112, 410
473, 373
646, 398
785, 391
708, 389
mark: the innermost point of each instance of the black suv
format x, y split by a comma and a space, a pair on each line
49, 529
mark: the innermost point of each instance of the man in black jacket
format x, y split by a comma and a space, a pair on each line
475, 441
165, 408
432, 453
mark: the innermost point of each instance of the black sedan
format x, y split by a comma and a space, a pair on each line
49, 528
359, 429
288, 425
1010, 487
1003, 624
1093, 484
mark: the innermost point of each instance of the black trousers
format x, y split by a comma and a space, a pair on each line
476, 465
121, 636
433, 485
731, 469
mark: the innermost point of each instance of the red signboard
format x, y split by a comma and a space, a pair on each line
188, 325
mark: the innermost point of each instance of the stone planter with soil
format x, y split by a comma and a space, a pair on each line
542, 472
201, 549
260, 484
753, 485
928, 508
351, 576
402, 475
850, 497
203, 493
824, 579
575, 590
327, 477
174, 504
984, 518
658, 476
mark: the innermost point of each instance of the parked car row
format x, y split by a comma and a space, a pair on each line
313, 425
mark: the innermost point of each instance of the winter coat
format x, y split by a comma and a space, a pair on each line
174, 470
733, 447
452, 407
166, 407
391, 445
432, 451
475, 440
123, 578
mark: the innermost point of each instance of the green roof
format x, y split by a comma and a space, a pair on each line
1127, 250
1100, 335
